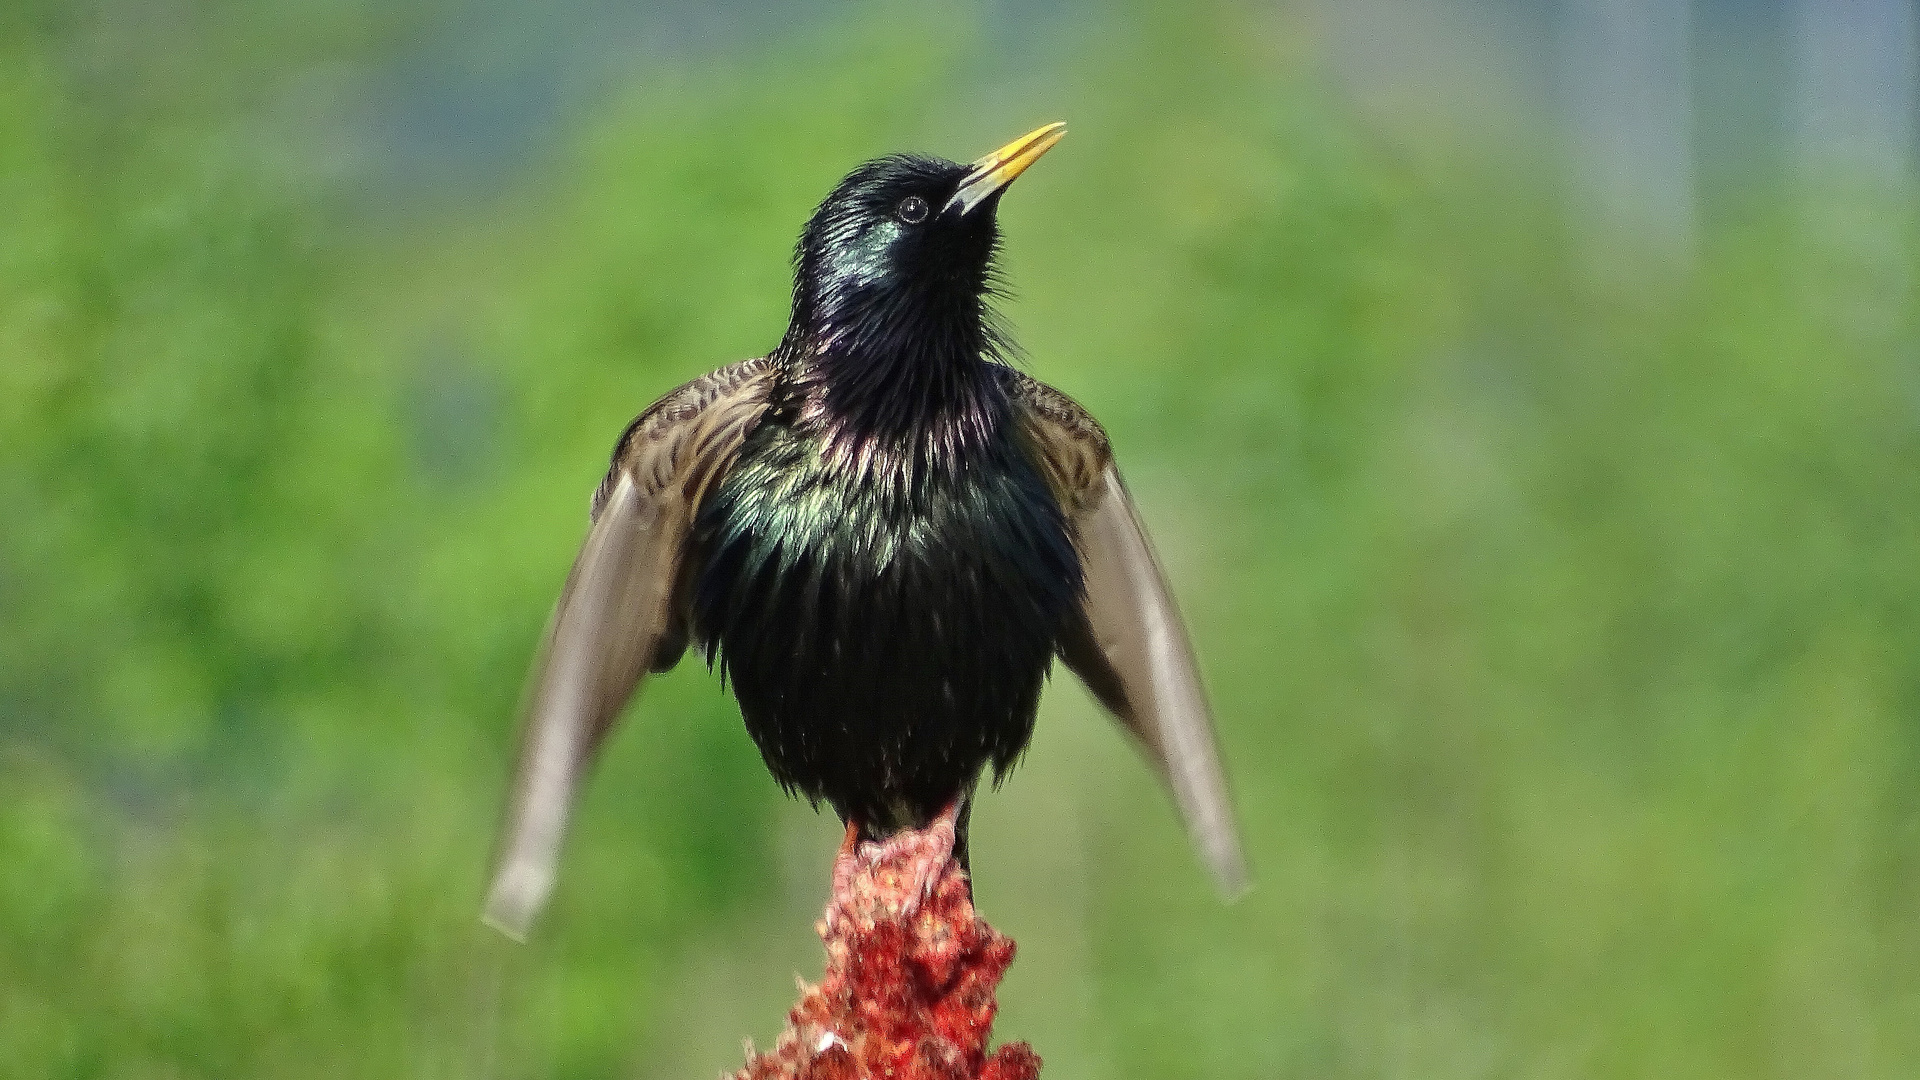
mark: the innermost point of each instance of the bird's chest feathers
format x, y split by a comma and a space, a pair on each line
886, 627
830, 530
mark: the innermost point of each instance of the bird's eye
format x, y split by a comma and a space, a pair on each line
913, 210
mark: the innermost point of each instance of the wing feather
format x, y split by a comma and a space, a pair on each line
620, 614
1130, 647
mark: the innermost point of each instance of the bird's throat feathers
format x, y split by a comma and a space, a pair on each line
890, 354
906, 382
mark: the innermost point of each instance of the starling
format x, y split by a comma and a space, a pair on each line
881, 534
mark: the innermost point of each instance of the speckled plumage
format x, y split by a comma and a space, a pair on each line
885, 628
881, 535
885, 575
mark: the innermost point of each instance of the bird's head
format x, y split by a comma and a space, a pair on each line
899, 255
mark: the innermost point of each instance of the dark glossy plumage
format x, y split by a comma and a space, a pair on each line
881, 535
886, 630
885, 576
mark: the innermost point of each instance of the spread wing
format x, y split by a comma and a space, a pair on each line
619, 615
1130, 647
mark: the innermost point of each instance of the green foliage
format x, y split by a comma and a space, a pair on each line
1561, 632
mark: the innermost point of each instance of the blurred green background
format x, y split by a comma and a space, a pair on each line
1557, 577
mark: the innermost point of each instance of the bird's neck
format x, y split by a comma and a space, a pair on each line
919, 392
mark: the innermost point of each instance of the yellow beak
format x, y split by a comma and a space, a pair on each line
998, 169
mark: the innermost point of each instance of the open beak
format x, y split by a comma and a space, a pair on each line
998, 169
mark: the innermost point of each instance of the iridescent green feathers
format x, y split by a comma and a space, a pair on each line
881, 535
629, 599
885, 628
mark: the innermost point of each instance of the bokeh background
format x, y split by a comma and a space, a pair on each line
1524, 397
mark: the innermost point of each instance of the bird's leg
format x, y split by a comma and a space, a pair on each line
846, 863
847, 859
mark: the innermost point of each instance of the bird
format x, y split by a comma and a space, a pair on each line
880, 534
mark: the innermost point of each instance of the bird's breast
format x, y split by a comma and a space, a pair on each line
885, 625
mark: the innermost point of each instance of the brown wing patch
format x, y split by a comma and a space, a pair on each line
655, 443
1067, 443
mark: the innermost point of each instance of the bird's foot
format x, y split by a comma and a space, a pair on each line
904, 870
919, 857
